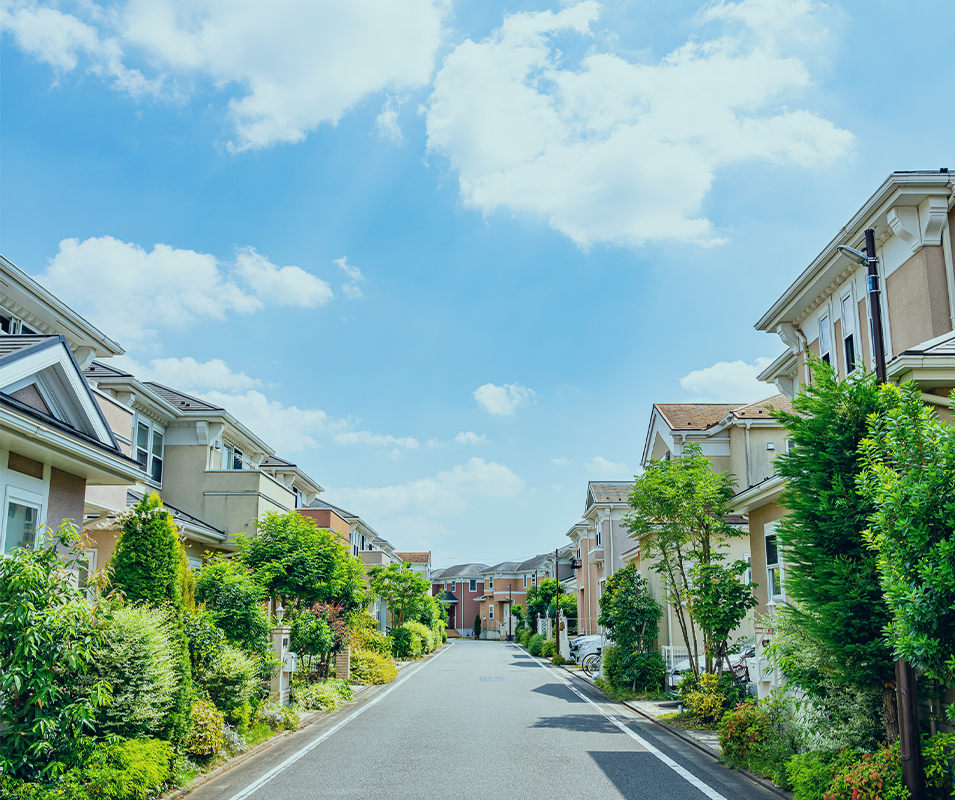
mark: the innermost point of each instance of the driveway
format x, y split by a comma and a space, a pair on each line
482, 721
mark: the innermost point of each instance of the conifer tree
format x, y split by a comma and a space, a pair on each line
830, 574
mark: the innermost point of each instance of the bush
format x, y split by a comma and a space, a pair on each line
707, 697
477, 626
743, 733
638, 672
278, 717
428, 641
205, 738
558, 660
412, 640
133, 770
138, 659
327, 695
810, 775
938, 758
875, 776
548, 648
535, 644
231, 683
369, 667
48, 639
366, 636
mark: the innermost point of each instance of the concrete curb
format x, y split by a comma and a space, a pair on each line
709, 751
308, 719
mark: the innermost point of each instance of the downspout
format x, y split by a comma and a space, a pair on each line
949, 271
749, 469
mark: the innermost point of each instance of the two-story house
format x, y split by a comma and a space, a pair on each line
460, 587
56, 438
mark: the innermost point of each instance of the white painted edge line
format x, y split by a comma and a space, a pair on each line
252, 788
689, 777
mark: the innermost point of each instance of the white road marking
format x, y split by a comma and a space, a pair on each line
690, 778
252, 788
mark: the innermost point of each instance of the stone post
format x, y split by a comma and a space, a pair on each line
343, 664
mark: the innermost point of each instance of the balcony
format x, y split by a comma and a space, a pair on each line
374, 558
595, 555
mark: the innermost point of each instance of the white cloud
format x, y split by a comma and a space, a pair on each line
188, 374
612, 151
470, 438
287, 286
351, 288
63, 41
386, 123
728, 382
599, 465
447, 493
288, 67
129, 292
503, 400
385, 440
562, 461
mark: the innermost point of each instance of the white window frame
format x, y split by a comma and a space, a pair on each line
846, 337
234, 453
769, 530
22, 497
525, 581
472, 585
490, 611
598, 533
825, 333
153, 429
490, 583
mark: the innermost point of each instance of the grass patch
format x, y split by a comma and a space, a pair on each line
684, 720
258, 733
619, 694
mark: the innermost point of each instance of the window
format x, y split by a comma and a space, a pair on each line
85, 572
748, 580
21, 523
149, 449
824, 346
774, 565
454, 585
848, 332
298, 496
490, 585
232, 456
490, 611
598, 530
472, 586
525, 581
11, 324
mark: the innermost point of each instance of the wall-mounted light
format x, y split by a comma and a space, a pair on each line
770, 445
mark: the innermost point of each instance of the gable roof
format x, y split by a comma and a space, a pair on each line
757, 410
468, 571
693, 416
345, 515
181, 400
63, 396
607, 492
415, 558
533, 563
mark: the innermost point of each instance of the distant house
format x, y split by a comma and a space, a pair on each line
419, 562
461, 588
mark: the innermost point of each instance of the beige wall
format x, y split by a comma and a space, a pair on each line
863, 336
118, 417
326, 518
917, 295
66, 498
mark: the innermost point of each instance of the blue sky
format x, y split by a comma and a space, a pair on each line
445, 255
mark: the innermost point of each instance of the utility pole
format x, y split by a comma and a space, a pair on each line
510, 606
905, 690
556, 602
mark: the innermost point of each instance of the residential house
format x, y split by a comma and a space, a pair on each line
600, 541
419, 563
826, 312
55, 436
461, 587
742, 439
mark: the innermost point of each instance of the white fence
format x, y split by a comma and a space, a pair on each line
673, 655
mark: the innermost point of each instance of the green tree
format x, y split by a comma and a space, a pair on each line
233, 598
720, 600
49, 636
147, 560
678, 507
299, 563
540, 600
909, 480
477, 626
147, 568
831, 577
403, 589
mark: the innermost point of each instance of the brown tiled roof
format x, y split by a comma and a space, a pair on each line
757, 410
694, 416
609, 491
415, 558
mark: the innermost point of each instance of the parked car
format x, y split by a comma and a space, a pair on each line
581, 646
738, 663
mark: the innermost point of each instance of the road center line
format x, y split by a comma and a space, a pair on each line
252, 788
689, 777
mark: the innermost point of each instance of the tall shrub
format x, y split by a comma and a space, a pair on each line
138, 660
233, 597
49, 637
147, 566
831, 576
631, 618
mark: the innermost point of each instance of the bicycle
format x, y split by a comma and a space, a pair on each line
591, 664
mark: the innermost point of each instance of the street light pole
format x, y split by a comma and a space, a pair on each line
556, 602
510, 606
909, 746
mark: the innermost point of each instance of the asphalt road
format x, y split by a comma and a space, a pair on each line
482, 721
